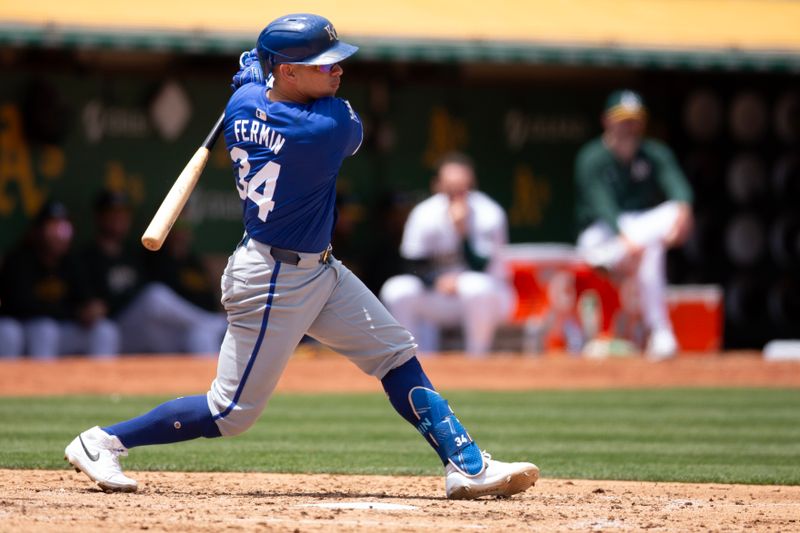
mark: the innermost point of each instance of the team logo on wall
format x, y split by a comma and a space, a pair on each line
168, 114
523, 128
170, 111
101, 121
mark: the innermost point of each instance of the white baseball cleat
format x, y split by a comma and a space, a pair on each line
497, 479
662, 345
96, 453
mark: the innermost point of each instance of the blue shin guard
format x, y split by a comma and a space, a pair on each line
438, 423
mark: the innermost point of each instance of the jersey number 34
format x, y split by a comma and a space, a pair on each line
267, 176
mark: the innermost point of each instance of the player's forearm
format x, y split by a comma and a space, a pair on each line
684, 221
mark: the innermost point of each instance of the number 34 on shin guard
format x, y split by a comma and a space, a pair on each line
439, 424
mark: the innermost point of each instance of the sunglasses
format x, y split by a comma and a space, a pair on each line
326, 68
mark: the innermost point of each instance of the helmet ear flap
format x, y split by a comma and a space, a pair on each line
266, 64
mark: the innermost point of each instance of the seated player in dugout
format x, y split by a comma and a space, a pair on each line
180, 268
152, 316
448, 243
287, 139
633, 202
47, 306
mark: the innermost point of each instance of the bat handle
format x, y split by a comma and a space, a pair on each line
214, 133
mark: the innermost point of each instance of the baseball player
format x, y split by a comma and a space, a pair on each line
152, 316
633, 203
48, 308
448, 241
287, 140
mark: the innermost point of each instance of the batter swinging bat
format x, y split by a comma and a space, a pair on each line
153, 237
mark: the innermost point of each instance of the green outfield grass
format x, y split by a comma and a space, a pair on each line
699, 435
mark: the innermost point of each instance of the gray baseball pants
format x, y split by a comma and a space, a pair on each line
271, 305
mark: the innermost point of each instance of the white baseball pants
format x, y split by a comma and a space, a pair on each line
480, 305
649, 229
46, 338
160, 320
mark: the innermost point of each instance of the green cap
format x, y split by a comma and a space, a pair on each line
624, 104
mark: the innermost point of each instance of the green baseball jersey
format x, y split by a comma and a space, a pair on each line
604, 187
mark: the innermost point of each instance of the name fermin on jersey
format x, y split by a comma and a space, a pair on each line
258, 132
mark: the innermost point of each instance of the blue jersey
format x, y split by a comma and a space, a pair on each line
286, 157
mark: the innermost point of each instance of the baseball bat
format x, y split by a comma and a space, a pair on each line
172, 205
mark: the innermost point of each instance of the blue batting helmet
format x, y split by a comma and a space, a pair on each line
303, 39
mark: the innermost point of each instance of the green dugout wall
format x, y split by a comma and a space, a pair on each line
67, 134
73, 120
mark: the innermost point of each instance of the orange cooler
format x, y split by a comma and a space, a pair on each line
696, 312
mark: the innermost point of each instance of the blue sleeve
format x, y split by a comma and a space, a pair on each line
350, 127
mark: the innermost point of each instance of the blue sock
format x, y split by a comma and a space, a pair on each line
399, 382
174, 421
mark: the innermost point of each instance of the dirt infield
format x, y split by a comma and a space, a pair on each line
307, 372
65, 501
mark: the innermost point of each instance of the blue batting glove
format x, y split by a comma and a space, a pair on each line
249, 70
